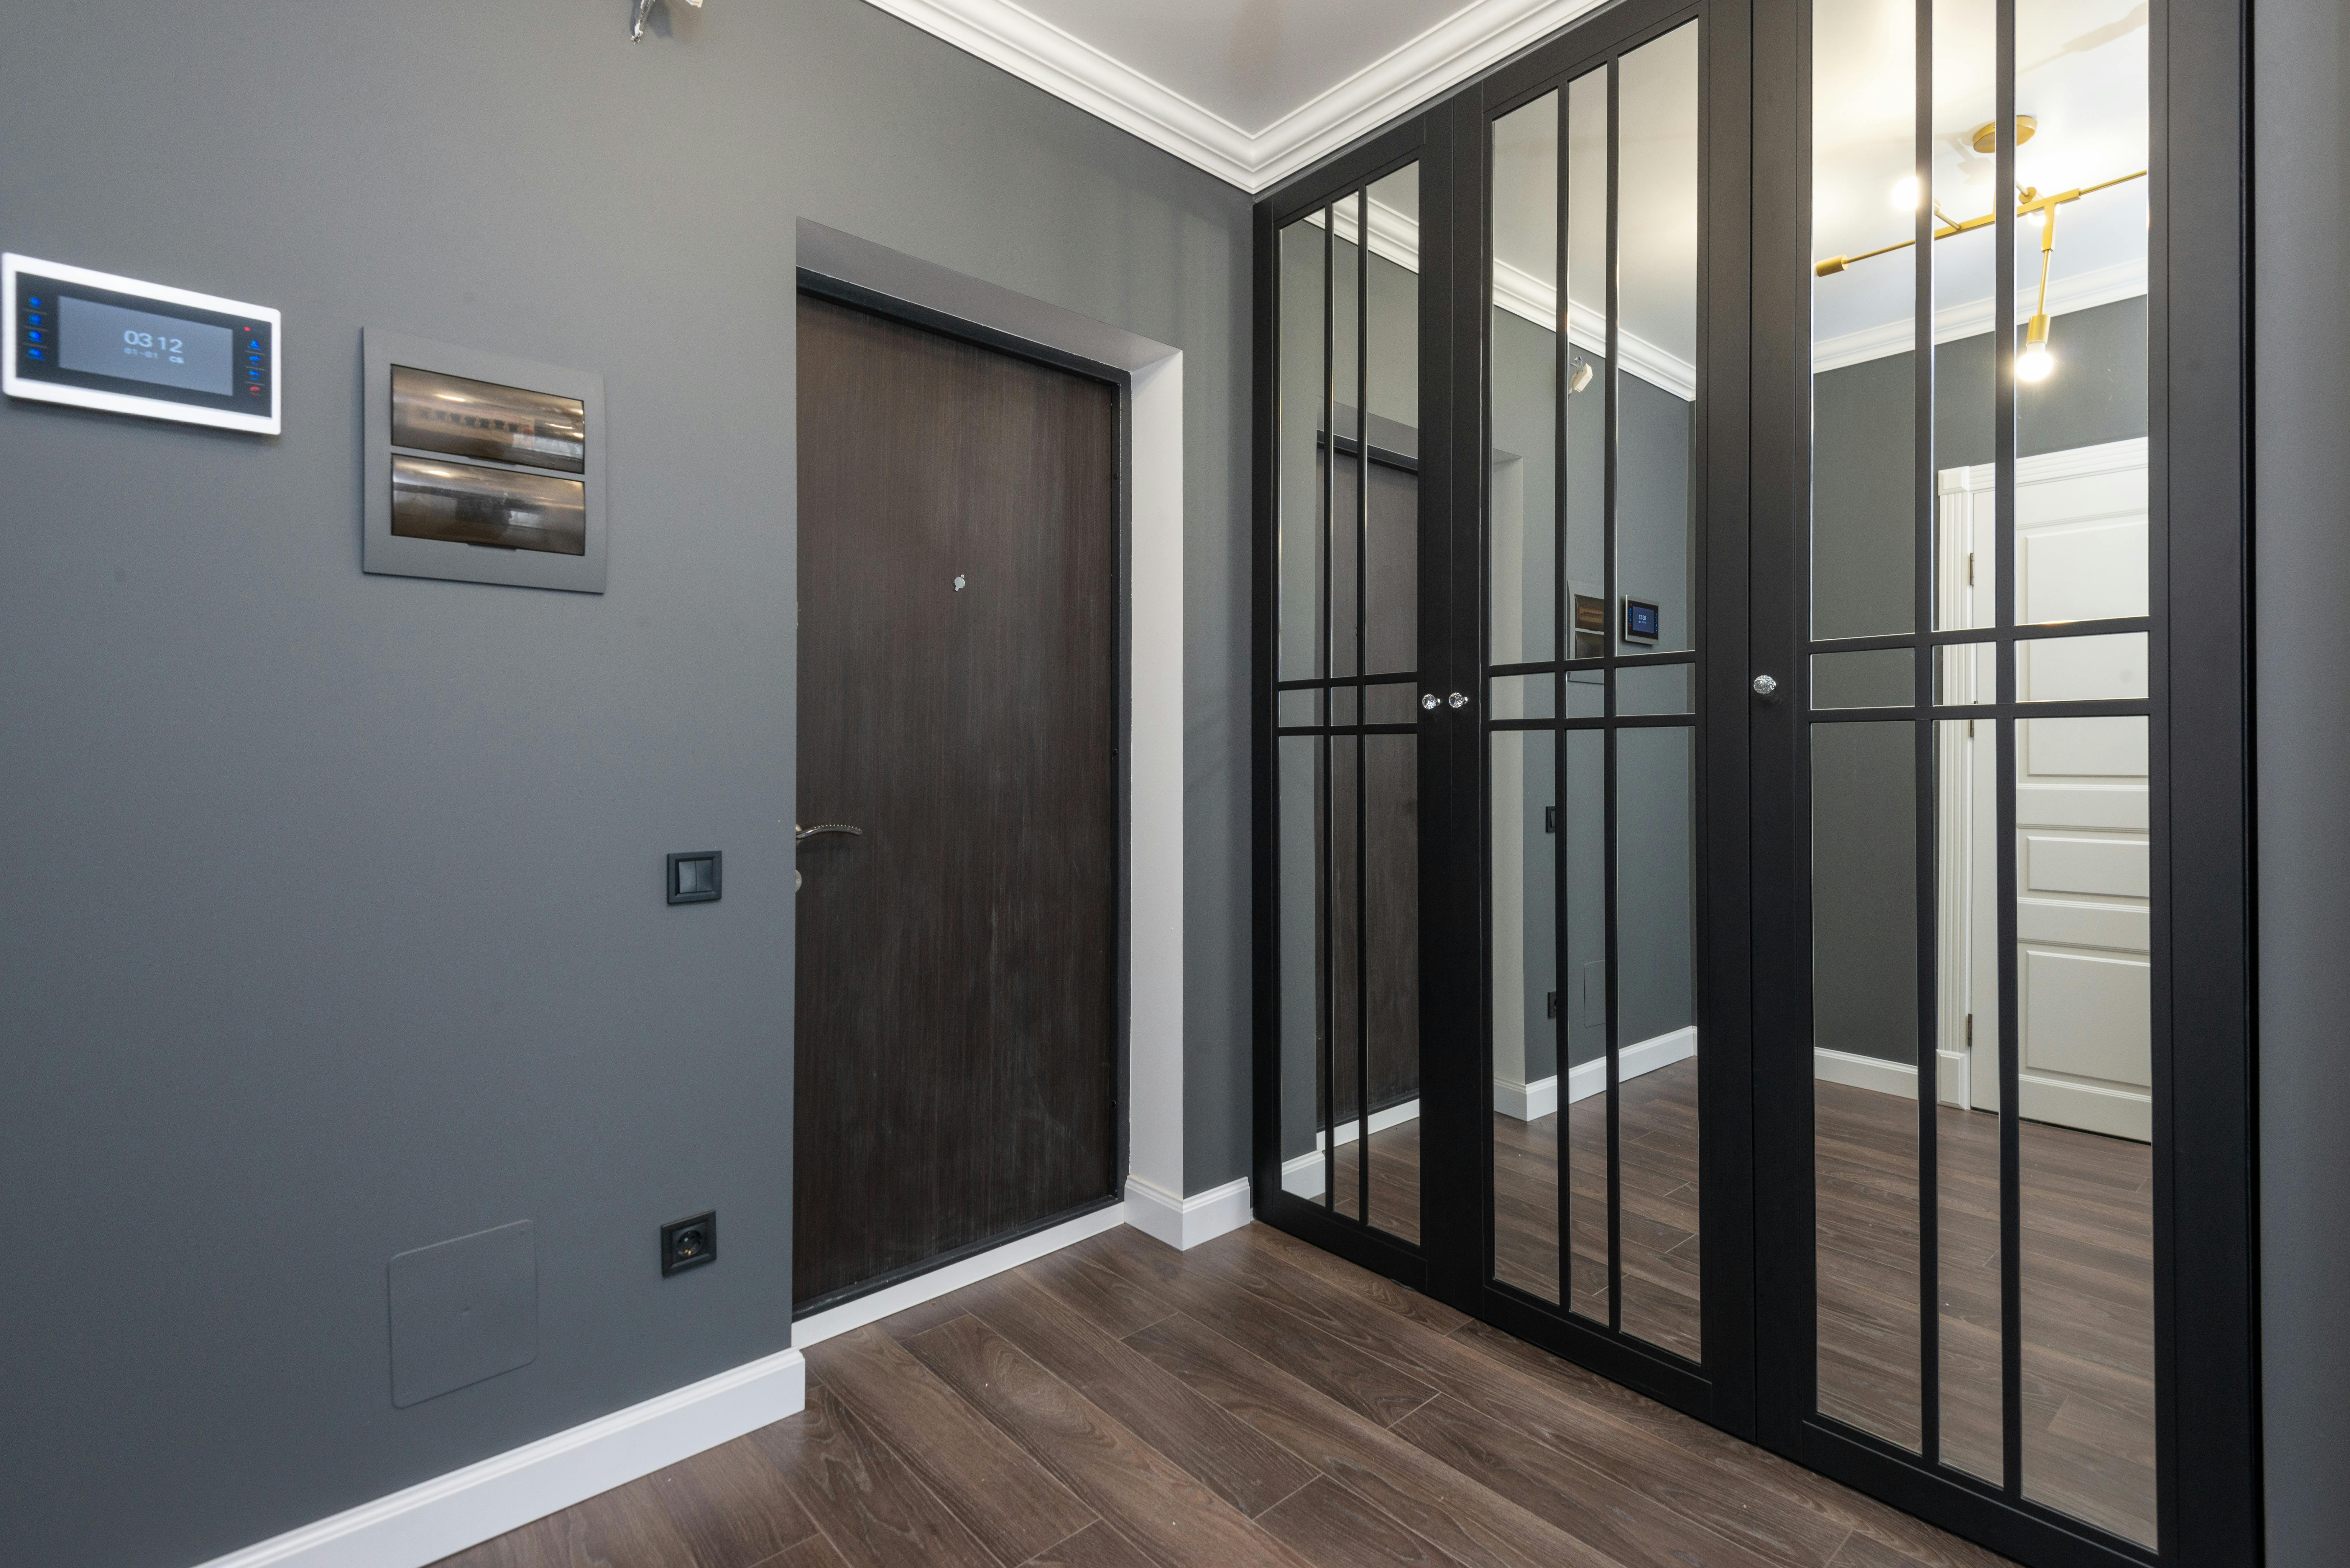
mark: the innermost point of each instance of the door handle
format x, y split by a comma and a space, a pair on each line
799, 833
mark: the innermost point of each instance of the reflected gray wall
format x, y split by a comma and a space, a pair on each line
337, 927
1656, 899
2301, 141
1391, 373
1863, 556
1864, 890
1863, 506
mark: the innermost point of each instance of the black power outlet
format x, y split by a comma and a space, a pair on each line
688, 1243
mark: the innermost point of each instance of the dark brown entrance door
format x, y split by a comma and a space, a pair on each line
958, 703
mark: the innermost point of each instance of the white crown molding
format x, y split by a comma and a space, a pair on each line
1972, 318
1479, 34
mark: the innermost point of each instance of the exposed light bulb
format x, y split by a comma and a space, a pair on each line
1905, 193
2034, 363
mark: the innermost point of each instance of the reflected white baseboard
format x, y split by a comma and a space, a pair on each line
1302, 1174
1530, 1102
2113, 1109
1858, 1072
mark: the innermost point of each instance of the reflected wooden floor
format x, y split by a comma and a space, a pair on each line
2088, 1336
2088, 1298
1658, 1142
1395, 1180
1253, 1401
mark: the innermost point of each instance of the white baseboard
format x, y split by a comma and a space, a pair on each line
1858, 1072
464, 1508
818, 1327
1529, 1101
1185, 1222
445, 1515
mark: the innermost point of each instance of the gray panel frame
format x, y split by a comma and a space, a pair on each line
386, 554
463, 1312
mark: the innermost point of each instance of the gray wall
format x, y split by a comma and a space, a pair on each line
2301, 93
334, 926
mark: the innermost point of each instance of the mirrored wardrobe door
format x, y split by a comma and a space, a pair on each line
1975, 747
1346, 828
1594, 431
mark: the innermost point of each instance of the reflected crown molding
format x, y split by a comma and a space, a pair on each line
1523, 294
1480, 34
1395, 237
1973, 318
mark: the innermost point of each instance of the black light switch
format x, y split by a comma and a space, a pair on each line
693, 876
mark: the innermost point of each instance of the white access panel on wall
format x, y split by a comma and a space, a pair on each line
98, 340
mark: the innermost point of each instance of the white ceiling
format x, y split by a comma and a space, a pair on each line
1251, 90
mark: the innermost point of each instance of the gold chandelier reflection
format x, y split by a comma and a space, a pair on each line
2029, 202
2035, 361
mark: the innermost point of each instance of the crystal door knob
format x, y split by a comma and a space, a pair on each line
1429, 700
1457, 700
1764, 685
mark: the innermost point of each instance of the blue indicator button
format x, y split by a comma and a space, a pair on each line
35, 335
35, 302
37, 353
36, 317
253, 358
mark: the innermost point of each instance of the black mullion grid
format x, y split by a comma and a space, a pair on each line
2010, 1134
1962, 636
1546, 666
1929, 1060
1608, 699
1325, 639
1562, 643
1362, 742
2086, 708
1624, 721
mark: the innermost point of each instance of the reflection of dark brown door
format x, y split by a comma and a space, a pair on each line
958, 667
1387, 935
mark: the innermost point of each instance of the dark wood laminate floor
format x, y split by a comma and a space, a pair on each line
1120, 1405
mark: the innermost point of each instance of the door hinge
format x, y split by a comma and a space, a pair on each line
1550, 819
1970, 567
1553, 1012
1970, 1021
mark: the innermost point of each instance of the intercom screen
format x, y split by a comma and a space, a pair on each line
141, 346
